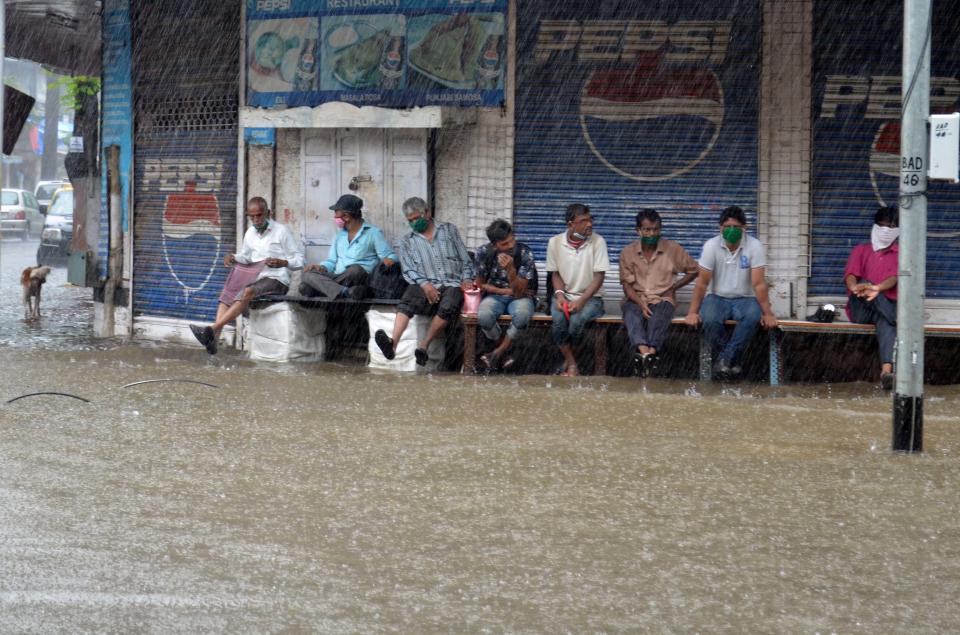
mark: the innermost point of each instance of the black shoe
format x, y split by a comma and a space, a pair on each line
887, 380
638, 364
421, 355
385, 343
722, 369
650, 364
205, 336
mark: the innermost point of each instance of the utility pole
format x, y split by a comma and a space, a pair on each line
912, 269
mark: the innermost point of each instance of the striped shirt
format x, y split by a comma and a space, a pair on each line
443, 261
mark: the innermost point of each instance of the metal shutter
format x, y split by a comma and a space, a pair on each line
185, 145
856, 153
629, 105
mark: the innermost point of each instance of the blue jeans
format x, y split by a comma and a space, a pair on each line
882, 311
647, 331
571, 332
493, 306
715, 309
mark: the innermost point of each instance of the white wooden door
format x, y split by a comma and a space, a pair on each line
384, 167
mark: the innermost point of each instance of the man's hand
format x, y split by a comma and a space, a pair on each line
275, 263
430, 291
768, 321
505, 261
692, 319
388, 262
870, 293
314, 267
577, 305
468, 285
229, 260
645, 309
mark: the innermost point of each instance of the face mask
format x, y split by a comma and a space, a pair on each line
263, 227
577, 236
649, 241
732, 234
339, 222
882, 237
419, 225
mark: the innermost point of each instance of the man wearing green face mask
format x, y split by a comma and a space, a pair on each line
649, 270
435, 262
733, 269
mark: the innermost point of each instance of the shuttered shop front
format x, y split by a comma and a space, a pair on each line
856, 154
185, 155
629, 105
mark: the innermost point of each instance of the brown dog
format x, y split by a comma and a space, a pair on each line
32, 280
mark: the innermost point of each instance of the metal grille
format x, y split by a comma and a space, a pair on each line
163, 115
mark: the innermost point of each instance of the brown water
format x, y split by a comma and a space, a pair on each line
327, 499
323, 498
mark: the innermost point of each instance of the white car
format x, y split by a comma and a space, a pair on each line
20, 214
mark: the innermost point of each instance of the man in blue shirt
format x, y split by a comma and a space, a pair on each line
356, 250
436, 264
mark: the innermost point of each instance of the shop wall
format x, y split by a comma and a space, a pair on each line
856, 140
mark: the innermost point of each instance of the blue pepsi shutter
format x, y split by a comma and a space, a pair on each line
629, 105
856, 135
185, 145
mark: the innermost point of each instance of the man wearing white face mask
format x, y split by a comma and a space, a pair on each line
871, 279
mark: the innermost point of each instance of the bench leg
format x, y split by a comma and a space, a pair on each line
706, 359
599, 350
776, 357
469, 348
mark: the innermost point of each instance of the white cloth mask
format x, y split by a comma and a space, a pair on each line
882, 237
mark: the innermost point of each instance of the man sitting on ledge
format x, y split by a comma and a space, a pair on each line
262, 264
435, 262
355, 251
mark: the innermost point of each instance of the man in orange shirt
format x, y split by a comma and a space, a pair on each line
649, 270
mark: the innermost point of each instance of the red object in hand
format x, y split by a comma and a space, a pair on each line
566, 310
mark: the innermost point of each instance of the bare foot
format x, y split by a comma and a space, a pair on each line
571, 371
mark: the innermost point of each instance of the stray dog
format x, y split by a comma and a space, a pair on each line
32, 280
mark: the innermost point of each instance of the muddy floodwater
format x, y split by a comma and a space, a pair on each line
323, 498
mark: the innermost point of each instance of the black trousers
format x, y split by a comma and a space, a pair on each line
324, 283
414, 302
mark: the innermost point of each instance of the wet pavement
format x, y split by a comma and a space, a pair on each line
323, 498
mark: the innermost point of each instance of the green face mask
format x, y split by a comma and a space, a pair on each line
419, 225
732, 234
649, 241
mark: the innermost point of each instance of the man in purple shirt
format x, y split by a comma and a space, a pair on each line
871, 279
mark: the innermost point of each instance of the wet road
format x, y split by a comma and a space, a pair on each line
323, 498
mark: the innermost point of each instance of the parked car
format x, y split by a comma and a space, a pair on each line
57, 228
44, 193
20, 213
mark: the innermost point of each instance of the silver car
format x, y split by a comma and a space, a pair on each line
20, 214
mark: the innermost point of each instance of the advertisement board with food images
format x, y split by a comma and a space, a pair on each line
392, 53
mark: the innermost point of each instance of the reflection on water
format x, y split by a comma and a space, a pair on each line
322, 498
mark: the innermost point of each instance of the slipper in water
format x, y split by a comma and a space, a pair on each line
507, 363
205, 336
385, 343
490, 361
421, 355
887, 380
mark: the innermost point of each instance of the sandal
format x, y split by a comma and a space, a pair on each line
490, 360
422, 357
507, 362
385, 343
571, 371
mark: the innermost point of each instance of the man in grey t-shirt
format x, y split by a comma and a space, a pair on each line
733, 268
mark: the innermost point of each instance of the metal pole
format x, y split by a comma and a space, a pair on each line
912, 270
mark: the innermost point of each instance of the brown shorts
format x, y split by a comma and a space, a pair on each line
263, 286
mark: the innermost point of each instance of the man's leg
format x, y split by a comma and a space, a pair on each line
353, 282
886, 321
235, 309
658, 324
633, 321
319, 283
520, 310
491, 308
746, 311
451, 300
412, 302
713, 312
560, 334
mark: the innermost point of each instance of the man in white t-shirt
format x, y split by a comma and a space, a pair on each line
733, 268
577, 262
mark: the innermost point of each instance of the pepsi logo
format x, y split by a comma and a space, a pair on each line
191, 237
885, 162
652, 122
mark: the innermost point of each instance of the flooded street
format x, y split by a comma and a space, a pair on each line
323, 498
